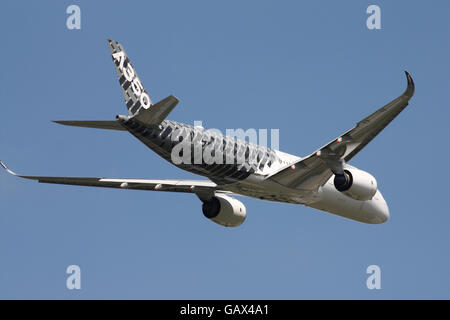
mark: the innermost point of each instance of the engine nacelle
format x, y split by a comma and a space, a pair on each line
224, 210
356, 184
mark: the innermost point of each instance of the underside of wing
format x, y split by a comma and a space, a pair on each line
314, 170
204, 189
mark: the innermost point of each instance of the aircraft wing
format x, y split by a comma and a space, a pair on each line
204, 189
314, 170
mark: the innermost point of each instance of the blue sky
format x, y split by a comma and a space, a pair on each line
309, 68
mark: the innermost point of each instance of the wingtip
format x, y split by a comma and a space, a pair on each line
7, 169
411, 87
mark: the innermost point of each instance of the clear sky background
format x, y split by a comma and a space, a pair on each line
309, 68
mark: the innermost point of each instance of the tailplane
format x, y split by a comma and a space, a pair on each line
109, 125
138, 101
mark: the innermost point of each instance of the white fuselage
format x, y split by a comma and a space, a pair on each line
250, 179
326, 198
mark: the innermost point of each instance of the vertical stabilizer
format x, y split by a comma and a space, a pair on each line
136, 97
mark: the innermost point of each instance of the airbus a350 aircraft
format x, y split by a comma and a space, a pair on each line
323, 180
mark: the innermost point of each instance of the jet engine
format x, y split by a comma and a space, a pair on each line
224, 210
356, 184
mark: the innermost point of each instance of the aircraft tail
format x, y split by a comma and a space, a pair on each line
138, 102
136, 97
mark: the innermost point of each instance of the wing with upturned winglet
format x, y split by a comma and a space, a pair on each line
204, 189
314, 170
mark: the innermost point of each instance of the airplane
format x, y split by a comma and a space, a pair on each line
322, 180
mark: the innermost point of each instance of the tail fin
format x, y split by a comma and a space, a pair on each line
136, 97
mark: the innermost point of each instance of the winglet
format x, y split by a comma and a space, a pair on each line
409, 92
7, 169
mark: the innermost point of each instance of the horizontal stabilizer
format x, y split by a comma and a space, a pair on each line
158, 112
109, 125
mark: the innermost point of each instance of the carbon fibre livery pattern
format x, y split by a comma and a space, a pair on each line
247, 158
132, 89
239, 168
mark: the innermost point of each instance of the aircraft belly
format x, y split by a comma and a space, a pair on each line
256, 187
